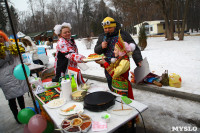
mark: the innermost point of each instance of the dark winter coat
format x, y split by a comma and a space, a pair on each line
137, 57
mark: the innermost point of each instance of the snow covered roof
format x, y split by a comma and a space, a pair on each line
20, 34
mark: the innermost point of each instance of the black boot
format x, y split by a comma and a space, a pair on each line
13, 107
17, 120
20, 101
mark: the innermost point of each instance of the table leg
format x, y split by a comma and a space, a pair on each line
133, 125
129, 127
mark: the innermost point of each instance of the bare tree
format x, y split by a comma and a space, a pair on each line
42, 4
77, 7
131, 12
193, 17
4, 19
167, 10
87, 15
56, 9
184, 20
30, 2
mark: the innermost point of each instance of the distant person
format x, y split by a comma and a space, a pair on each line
12, 88
32, 49
66, 51
35, 42
51, 42
39, 43
106, 43
119, 68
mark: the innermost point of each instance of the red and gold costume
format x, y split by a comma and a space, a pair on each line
119, 72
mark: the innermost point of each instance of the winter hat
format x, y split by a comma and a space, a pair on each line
124, 47
108, 22
4, 36
26, 42
58, 27
29, 39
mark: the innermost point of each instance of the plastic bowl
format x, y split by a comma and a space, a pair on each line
85, 86
78, 95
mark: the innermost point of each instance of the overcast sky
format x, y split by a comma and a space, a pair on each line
20, 5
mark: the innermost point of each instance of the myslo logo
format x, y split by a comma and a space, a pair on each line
183, 128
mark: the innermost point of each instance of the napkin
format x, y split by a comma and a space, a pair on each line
99, 126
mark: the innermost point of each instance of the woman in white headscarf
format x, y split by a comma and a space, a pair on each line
31, 48
66, 51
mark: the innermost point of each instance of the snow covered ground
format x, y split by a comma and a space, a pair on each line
180, 57
163, 112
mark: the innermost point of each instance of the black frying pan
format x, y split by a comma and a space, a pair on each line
99, 101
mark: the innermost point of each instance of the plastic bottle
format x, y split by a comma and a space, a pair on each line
73, 83
67, 77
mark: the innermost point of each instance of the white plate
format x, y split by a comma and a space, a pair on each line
56, 103
77, 109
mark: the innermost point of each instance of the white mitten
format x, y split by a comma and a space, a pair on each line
113, 60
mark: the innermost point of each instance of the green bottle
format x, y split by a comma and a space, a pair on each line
73, 83
67, 77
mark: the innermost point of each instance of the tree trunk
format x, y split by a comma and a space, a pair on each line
143, 44
171, 34
184, 20
168, 17
31, 5
178, 18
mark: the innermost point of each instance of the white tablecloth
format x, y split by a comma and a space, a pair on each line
36, 66
115, 122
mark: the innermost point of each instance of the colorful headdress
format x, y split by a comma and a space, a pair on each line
4, 35
124, 47
120, 44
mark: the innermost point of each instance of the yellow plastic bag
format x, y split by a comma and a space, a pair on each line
174, 80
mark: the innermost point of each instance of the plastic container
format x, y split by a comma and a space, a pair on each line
106, 117
73, 84
174, 80
67, 77
78, 95
70, 126
85, 86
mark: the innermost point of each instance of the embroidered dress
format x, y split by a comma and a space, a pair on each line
69, 49
119, 72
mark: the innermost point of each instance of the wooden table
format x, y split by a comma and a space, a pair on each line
115, 122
